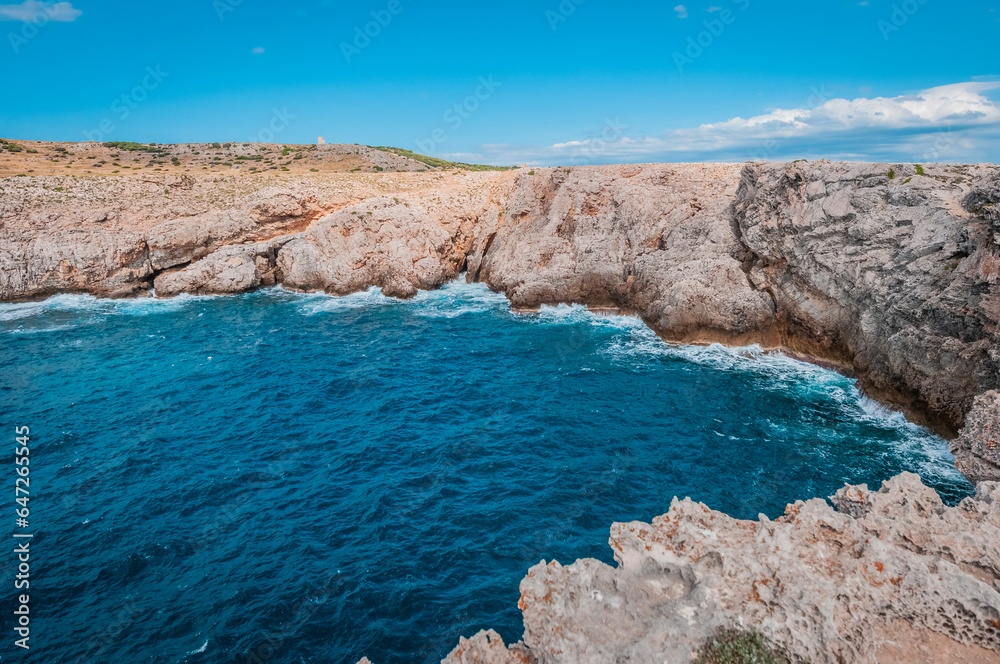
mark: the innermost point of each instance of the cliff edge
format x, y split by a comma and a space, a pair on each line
885, 271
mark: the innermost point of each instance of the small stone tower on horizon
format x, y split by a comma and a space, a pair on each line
322, 141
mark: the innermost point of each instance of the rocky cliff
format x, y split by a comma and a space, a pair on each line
885, 271
890, 577
892, 278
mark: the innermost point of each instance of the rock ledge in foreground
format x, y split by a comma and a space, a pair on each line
829, 586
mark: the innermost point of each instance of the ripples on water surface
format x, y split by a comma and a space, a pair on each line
315, 479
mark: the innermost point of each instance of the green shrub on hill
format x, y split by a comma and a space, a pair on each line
442, 164
132, 146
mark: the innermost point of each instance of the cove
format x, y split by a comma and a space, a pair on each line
304, 478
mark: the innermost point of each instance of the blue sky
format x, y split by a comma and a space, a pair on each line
555, 82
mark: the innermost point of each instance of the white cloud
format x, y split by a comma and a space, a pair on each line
946, 106
952, 122
34, 11
682, 11
712, 10
259, 50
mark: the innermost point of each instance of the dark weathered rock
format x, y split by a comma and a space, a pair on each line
891, 277
977, 449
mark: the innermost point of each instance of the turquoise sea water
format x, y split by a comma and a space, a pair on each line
301, 478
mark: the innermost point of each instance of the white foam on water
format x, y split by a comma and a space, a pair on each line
458, 298
453, 299
576, 314
311, 304
21, 310
12, 312
633, 341
937, 459
639, 342
40, 330
201, 649
88, 304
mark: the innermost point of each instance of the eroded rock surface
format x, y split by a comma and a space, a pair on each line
886, 270
397, 247
656, 240
977, 449
118, 237
892, 277
825, 585
488, 648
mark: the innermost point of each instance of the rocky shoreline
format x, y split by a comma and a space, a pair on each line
887, 271
828, 585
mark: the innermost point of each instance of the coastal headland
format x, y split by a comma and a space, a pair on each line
888, 272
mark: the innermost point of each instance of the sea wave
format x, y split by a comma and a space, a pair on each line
458, 298
89, 304
627, 339
311, 304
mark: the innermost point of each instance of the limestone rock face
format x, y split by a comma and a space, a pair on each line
381, 242
892, 277
61, 260
590, 612
653, 239
237, 269
378, 243
977, 449
825, 585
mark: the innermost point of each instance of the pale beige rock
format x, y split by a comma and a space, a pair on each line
238, 269
822, 584
653, 239
487, 647
902, 644
395, 246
